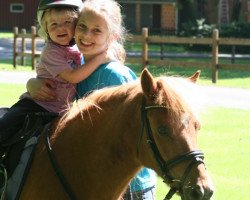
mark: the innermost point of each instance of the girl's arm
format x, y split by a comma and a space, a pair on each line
84, 71
41, 89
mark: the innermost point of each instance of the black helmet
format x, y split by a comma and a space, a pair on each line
44, 4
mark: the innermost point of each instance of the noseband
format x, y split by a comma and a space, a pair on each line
196, 157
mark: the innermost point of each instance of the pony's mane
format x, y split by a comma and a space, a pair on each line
182, 96
127, 91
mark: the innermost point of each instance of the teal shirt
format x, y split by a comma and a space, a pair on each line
112, 74
106, 75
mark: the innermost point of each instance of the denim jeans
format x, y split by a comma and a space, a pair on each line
147, 194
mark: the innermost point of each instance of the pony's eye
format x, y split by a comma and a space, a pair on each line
163, 130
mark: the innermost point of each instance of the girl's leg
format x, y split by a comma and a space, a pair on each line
147, 194
127, 195
13, 120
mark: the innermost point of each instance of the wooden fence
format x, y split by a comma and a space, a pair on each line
23, 52
214, 42
145, 40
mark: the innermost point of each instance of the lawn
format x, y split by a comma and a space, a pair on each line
6, 34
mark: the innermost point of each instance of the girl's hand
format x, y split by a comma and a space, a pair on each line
41, 89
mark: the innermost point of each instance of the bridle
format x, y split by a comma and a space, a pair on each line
196, 157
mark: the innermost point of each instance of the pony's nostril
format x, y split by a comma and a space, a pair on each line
196, 193
199, 193
208, 194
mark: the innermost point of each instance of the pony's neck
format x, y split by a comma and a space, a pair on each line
110, 155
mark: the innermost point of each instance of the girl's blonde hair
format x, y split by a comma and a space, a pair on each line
42, 25
111, 12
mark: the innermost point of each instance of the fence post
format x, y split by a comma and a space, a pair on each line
144, 47
233, 55
23, 48
215, 49
15, 31
33, 47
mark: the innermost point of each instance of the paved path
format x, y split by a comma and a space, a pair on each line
16, 77
228, 97
217, 96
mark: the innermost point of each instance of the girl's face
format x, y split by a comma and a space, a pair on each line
60, 26
91, 34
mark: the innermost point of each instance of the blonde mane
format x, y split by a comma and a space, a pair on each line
182, 95
191, 93
96, 97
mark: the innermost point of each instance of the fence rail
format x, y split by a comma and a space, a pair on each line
214, 42
33, 53
145, 57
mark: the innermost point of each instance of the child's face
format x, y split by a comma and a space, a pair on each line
91, 34
60, 26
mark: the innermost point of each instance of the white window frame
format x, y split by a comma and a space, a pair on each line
12, 5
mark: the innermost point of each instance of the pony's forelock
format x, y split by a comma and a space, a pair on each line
189, 92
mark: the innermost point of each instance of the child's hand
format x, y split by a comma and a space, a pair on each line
41, 89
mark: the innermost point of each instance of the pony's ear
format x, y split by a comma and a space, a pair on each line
148, 84
195, 76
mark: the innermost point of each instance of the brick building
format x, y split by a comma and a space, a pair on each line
19, 13
158, 15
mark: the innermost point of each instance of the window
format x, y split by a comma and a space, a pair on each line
16, 7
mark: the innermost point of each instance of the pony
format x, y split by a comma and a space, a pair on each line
98, 146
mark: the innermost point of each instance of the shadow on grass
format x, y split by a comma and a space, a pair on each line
6, 61
7, 64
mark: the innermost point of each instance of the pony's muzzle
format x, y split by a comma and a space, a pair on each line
198, 192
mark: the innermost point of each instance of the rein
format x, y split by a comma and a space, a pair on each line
196, 157
56, 166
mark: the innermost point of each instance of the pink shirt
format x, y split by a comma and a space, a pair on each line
54, 60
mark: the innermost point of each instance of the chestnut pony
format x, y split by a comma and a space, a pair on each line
108, 136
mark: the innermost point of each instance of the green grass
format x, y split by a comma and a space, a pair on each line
10, 93
225, 139
6, 34
6, 65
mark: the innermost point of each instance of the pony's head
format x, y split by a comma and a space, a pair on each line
170, 124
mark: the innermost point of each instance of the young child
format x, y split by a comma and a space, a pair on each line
60, 61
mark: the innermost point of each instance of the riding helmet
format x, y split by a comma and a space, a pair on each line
44, 4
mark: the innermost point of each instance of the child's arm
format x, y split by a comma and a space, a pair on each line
82, 72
